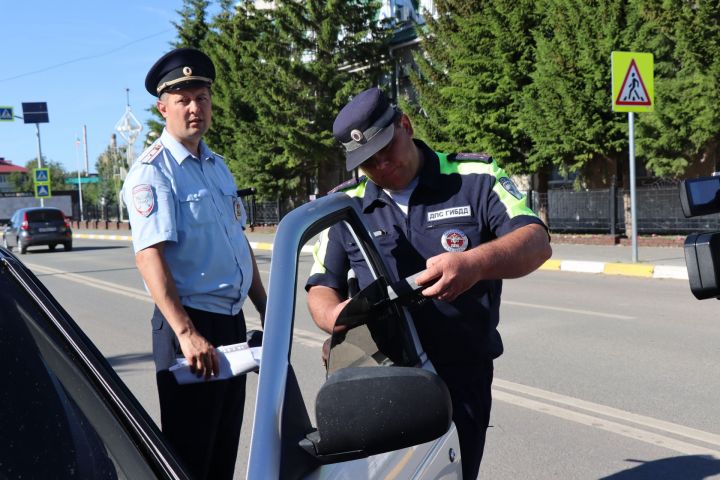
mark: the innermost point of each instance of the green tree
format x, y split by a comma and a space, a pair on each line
477, 57
108, 166
22, 182
192, 29
683, 132
566, 109
285, 74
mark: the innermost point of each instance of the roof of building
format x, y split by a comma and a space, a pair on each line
7, 167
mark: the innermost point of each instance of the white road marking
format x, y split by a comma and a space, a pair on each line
567, 310
93, 282
303, 337
611, 412
606, 425
579, 411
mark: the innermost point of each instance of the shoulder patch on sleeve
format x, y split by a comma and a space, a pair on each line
152, 152
510, 187
470, 157
353, 182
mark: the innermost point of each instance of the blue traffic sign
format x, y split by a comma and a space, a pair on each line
42, 175
6, 114
42, 191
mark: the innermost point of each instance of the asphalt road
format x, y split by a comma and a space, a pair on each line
603, 376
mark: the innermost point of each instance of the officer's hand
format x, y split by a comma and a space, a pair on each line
200, 354
453, 274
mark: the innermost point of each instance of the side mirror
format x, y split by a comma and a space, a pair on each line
367, 411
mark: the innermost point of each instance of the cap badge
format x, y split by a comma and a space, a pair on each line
187, 71
357, 135
454, 240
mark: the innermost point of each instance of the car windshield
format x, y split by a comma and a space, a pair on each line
44, 216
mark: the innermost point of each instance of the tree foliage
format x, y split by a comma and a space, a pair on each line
282, 75
684, 129
567, 106
477, 58
528, 82
23, 182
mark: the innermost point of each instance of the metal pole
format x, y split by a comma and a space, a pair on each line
40, 165
77, 161
633, 210
87, 166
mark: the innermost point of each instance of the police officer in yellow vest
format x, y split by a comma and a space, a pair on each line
458, 216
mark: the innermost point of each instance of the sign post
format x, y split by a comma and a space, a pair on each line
632, 91
37, 113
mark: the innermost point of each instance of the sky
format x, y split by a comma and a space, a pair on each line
79, 57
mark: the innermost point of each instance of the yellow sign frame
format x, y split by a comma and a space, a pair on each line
633, 88
45, 183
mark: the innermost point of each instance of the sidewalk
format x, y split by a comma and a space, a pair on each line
653, 262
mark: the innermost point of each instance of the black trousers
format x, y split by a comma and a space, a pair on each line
470, 391
201, 421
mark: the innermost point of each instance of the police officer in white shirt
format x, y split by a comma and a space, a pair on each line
187, 225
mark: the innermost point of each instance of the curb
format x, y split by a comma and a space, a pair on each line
128, 238
626, 269
93, 236
642, 270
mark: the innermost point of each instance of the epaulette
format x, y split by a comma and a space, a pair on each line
470, 157
353, 182
152, 152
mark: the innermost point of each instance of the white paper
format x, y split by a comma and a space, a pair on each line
237, 359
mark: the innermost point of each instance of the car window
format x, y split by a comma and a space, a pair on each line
53, 421
370, 332
367, 337
45, 216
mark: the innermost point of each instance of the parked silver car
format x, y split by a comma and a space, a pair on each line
37, 226
380, 412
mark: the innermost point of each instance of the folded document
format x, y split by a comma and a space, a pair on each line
237, 359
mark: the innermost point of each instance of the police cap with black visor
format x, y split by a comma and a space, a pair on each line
364, 126
178, 69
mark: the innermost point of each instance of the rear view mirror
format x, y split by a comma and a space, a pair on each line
366, 411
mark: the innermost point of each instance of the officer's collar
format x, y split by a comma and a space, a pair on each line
429, 176
178, 150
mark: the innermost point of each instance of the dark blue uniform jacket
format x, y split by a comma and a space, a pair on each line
460, 202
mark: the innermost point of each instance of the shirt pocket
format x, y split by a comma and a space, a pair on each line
196, 208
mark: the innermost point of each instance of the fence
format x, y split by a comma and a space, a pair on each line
603, 211
586, 211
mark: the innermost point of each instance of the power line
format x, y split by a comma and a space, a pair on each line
81, 59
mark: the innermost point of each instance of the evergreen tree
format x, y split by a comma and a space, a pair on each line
567, 111
192, 29
285, 73
193, 26
683, 132
477, 58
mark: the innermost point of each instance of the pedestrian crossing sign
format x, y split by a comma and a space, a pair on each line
42, 191
6, 114
42, 175
632, 82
